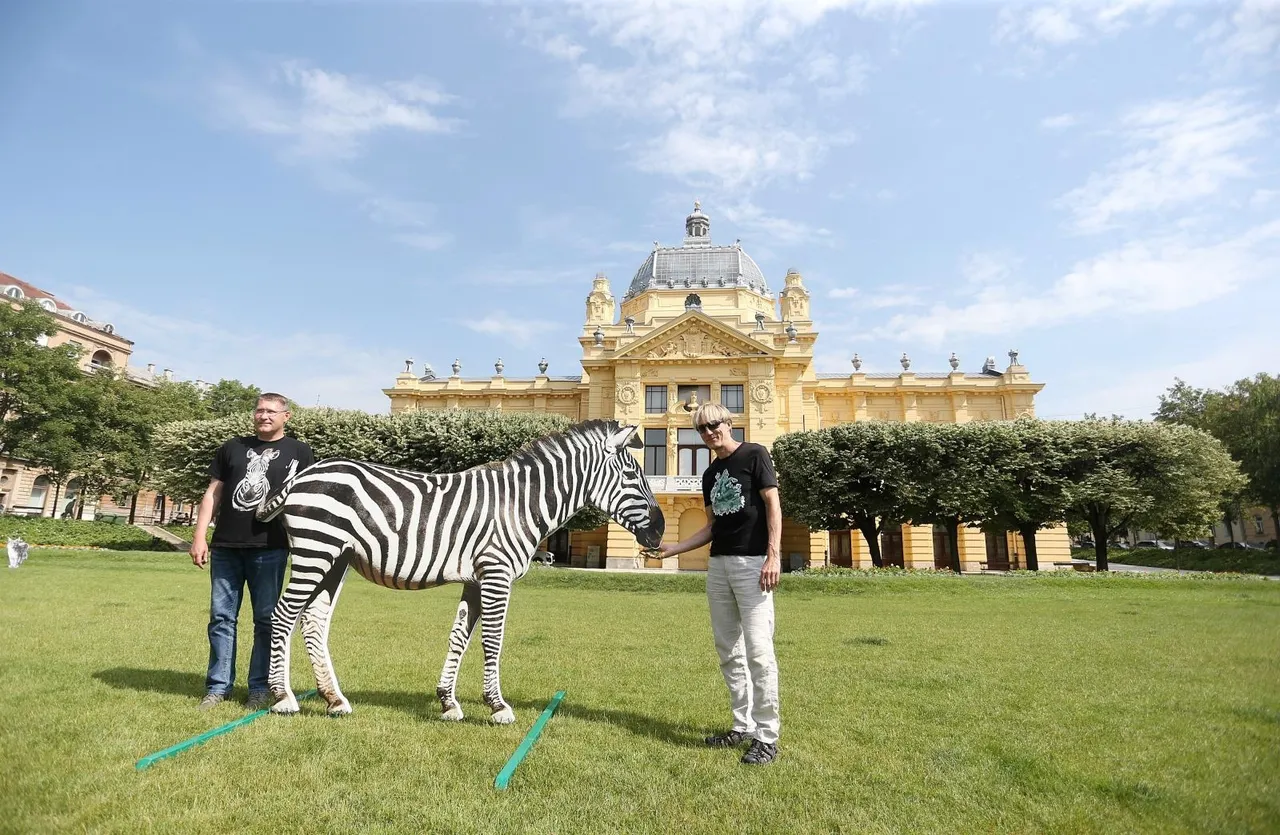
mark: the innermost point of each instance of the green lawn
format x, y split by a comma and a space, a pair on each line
911, 703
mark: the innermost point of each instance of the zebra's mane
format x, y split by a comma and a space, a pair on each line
555, 439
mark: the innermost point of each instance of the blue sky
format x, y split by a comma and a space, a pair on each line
304, 194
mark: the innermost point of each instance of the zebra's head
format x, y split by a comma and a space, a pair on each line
621, 490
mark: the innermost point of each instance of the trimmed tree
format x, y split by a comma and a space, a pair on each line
955, 468
1030, 492
845, 476
1167, 477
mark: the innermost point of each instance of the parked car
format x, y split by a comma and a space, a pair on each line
1153, 543
1195, 544
1238, 546
1086, 543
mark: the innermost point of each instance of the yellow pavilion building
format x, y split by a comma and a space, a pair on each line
698, 323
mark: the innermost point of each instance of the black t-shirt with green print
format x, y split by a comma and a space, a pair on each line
731, 490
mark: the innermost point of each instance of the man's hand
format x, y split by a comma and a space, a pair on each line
199, 552
771, 571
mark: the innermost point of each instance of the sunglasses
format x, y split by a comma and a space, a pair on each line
709, 427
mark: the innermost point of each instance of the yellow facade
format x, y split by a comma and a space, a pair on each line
698, 322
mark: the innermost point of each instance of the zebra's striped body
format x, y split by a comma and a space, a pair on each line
408, 530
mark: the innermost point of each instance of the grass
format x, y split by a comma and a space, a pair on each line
911, 703
1196, 559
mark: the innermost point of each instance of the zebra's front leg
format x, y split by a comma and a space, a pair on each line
495, 593
308, 568
315, 633
464, 624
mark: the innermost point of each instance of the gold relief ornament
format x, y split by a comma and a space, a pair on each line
627, 394
762, 393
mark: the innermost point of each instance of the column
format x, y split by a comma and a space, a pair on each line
621, 549
917, 546
860, 553
973, 549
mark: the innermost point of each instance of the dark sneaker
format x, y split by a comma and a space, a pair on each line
730, 739
211, 700
760, 753
259, 700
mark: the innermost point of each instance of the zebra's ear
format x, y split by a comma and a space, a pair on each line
626, 436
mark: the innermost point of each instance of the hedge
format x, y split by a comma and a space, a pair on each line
76, 534
427, 442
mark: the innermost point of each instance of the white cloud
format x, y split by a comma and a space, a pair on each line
842, 292
1249, 38
1063, 23
725, 89
322, 120
309, 366
1060, 122
1161, 274
778, 230
326, 115
519, 331
1182, 151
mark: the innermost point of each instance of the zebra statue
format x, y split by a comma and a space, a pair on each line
408, 530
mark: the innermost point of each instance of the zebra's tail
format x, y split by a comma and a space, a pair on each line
272, 503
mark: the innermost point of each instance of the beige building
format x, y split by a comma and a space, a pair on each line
25, 490
699, 323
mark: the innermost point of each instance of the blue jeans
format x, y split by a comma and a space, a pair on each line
230, 569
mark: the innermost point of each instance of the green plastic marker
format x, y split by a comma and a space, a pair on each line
173, 750
504, 776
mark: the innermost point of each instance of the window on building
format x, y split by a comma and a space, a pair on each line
39, 491
692, 455
738, 434
731, 398
79, 317
14, 292
100, 359
655, 451
1257, 524
655, 400
703, 393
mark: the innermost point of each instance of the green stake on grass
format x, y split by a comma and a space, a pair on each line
504, 776
174, 750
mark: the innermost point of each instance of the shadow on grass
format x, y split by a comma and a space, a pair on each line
153, 681
418, 704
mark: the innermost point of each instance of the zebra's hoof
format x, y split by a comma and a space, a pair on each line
503, 717
286, 706
342, 709
453, 714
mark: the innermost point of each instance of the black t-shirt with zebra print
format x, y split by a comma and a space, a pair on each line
250, 469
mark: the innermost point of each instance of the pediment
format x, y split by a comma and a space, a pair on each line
694, 336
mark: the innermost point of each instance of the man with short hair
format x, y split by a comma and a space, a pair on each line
740, 491
245, 551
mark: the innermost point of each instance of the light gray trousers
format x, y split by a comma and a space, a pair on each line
742, 623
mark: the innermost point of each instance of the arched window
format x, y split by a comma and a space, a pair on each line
79, 317
39, 491
68, 500
13, 292
48, 304
109, 328
100, 359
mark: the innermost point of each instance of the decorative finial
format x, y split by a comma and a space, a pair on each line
457, 368
542, 366
631, 324
857, 363
408, 366
759, 321
1013, 356
791, 332
428, 373
906, 361
955, 361
599, 335
989, 366
498, 366
697, 206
